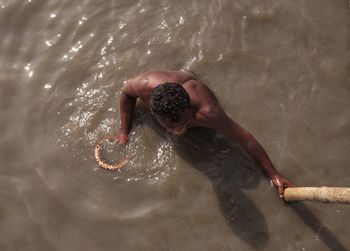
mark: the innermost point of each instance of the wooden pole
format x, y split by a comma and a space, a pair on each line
319, 194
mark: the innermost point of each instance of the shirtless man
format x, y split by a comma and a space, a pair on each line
179, 101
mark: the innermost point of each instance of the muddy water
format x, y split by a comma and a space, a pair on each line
279, 68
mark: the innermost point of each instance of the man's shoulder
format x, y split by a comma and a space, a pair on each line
201, 94
210, 114
197, 88
137, 86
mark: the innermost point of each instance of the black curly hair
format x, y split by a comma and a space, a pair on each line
169, 101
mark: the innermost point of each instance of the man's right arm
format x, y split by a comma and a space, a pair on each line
127, 104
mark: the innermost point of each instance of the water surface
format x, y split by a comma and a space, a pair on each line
279, 68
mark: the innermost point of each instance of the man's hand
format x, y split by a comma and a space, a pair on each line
281, 183
122, 138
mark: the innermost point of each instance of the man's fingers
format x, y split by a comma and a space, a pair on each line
280, 191
289, 184
122, 141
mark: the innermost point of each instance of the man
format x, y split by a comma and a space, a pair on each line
179, 101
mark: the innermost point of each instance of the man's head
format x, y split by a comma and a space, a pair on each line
170, 104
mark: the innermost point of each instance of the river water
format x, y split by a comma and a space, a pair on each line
279, 68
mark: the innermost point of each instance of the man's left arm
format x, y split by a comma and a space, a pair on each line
219, 120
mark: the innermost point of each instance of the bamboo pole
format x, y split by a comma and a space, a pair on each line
319, 194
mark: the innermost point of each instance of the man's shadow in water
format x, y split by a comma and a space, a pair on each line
229, 170
310, 220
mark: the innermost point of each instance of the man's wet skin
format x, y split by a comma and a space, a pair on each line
203, 110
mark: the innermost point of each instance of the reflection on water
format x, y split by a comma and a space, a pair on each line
280, 68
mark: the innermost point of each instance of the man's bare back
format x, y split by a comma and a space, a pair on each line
203, 111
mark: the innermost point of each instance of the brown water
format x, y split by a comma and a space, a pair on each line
280, 68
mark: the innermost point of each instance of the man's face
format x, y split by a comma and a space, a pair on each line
178, 128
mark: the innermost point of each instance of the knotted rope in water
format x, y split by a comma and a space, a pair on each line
103, 163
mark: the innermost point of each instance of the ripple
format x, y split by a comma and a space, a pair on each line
151, 159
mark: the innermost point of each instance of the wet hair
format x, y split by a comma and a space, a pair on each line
169, 101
